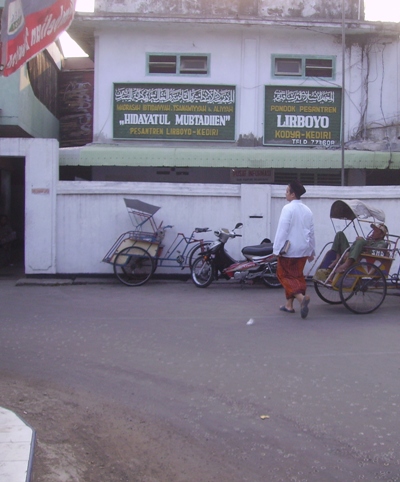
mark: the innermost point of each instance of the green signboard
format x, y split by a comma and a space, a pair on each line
302, 116
174, 112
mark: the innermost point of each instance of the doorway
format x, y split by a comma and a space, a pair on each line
12, 204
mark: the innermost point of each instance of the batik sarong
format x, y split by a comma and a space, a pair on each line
290, 272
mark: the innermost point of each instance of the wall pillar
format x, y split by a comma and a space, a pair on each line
41, 176
255, 213
249, 93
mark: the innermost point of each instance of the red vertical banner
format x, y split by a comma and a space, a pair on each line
29, 26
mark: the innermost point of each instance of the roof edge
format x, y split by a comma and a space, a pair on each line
108, 155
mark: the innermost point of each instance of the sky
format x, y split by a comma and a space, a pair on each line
69, 46
375, 10
382, 10
84, 6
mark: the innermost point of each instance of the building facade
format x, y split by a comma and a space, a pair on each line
201, 108
240, 92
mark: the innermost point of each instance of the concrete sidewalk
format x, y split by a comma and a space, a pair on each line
16, 447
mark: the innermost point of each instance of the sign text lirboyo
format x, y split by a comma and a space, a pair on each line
302, 116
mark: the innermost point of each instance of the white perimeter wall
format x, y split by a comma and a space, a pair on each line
70, 225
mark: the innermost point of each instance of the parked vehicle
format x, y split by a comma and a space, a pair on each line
363, 287
136, 254
216, 263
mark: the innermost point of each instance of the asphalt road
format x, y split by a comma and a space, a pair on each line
281, 399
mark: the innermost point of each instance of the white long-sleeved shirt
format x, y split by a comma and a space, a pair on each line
296, 224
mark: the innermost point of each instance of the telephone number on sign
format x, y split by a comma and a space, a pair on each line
314, 142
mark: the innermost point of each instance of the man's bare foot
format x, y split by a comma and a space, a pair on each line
345, 266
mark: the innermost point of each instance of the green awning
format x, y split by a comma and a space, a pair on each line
235, 157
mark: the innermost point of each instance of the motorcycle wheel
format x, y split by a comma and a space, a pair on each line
269, 277
197, 251
202, 272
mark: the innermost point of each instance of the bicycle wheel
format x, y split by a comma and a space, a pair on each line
202, 272
363, 288
133, 266
196, 251
269, 277
327, 293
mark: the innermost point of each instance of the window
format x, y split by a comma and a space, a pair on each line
318, 68
288, 67
180, 64
162, 64
303, 66
193, 64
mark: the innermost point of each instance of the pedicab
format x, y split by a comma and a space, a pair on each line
136, 254
132, 254
363, 287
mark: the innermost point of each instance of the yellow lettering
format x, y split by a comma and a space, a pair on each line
143, 131
283, 108
318, 135
207, 132
287, 134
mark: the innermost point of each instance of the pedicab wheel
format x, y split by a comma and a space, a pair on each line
133, 266
363, 288
202, 272
327, 293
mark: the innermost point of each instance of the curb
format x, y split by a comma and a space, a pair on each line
17, 440
64, 281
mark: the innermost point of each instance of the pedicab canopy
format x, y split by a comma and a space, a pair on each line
355, 209
141, 212
140, 206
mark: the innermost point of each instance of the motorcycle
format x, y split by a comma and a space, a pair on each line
215, 262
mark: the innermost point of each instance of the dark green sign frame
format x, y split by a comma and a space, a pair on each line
302, 116
174, 112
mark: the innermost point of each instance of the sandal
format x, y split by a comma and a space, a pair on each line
304, 307
286, 310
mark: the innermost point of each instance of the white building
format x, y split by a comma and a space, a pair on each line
234, 92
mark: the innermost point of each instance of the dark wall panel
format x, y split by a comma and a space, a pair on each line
75, 106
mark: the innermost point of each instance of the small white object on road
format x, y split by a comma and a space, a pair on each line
250, 322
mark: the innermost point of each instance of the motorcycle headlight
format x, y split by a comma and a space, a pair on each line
223, 237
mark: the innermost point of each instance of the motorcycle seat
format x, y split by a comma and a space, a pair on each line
258, 250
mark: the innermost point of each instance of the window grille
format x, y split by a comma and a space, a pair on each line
303, 67
319, 68
178, 64
317, 177
162, 64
